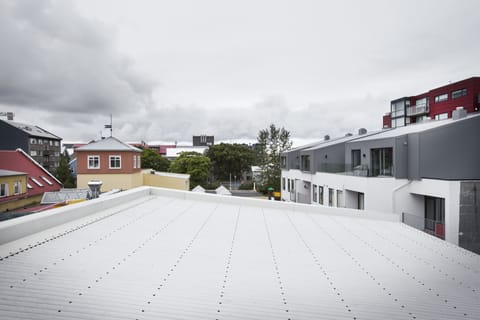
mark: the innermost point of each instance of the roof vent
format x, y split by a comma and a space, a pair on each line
362, 131
459, 113
327, 137
348, 134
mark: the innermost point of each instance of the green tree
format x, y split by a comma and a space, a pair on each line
63, 172
194, 164
152, 160
272, 142
229, 159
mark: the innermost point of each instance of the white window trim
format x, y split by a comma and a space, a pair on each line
17, 184
110, 162
134, 161
88, 162
6, 190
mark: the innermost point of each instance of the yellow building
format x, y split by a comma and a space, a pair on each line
13, 189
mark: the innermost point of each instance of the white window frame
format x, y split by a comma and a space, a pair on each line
134, 161
93, 157
110, 158
4, 187
139, 162
17, 187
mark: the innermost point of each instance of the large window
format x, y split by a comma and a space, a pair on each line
17, 187
459, 93
398, 108
441, 116
288, 185
115, 162
382, 162
3, 189
320, 195
93, 162
283, 162
306, 163
435, 215
356, 158
331, 193
441, 97
314, 193
340, 199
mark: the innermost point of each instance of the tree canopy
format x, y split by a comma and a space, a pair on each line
194, 164
152, 160
229, 159
272, 142
63, 172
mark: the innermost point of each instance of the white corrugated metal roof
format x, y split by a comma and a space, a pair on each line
198, 257
108, 144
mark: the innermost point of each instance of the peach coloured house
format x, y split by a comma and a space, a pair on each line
115, 163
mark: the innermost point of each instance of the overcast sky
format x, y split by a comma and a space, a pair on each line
168, 70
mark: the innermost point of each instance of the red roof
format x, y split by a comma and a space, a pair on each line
39, 180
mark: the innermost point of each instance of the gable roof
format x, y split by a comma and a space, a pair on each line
39, 180
108, 144
32, 130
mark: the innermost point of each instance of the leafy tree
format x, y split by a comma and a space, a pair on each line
271, 142
229, 159
63, 172
194, 164
152, 160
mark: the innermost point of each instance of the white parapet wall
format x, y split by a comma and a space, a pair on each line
17, 228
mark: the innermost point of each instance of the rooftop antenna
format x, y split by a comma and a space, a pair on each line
110, 126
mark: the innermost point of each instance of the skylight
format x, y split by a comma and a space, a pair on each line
46, 180
38, 183
29, 186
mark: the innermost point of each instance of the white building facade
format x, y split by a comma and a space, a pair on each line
427, 174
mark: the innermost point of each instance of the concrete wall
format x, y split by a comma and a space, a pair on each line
331, 158
17, 228
469, 226
450, 191
179, 182
451, 152
111, 181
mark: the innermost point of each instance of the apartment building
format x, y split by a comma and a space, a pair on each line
41, 145
427, 174
438, 103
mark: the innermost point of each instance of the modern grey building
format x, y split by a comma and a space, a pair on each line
41, 145
203, 141
428, 174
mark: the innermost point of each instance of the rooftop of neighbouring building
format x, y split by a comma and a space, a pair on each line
107, 144
9, 173
39, 179
153, 253
32, 130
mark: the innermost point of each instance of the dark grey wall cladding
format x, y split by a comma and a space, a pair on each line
400, 154
413, 156
330, 159
12, 138
469, 226
451, 152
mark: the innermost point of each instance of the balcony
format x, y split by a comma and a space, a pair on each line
433, 227
418, 110
345, 168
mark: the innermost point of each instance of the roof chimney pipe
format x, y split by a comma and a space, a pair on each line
362, 131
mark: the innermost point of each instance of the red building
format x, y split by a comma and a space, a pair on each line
437, 104
31, 182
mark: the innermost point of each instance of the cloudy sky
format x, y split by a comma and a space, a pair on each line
168, 70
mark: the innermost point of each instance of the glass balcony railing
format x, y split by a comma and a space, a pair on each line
418, 110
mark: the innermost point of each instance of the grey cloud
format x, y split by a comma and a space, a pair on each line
55, 60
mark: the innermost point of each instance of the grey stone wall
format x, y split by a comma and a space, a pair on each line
469, 227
